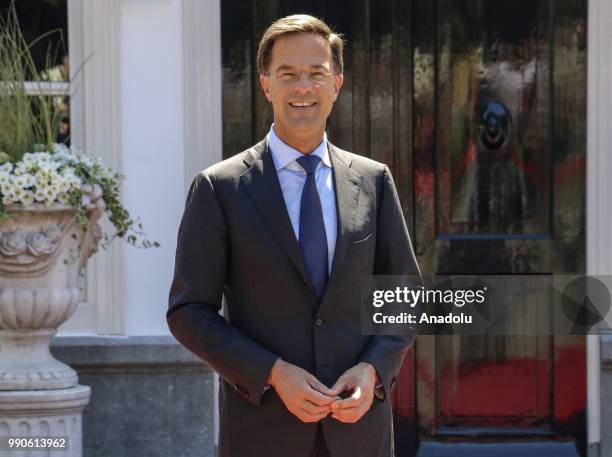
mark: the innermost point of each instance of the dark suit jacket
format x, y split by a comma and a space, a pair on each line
236, 239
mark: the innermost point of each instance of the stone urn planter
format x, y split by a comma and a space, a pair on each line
51, 198
42, 251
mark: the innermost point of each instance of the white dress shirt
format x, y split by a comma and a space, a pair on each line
292, 178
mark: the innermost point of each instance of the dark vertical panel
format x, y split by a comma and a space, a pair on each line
265, 12
298, 7
340, 123
405, 400
402, 104
381, 68
424, 107
237, 69
568, 84
360, 76
424, 143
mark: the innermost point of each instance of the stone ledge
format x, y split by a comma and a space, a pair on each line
148, 352
150, 396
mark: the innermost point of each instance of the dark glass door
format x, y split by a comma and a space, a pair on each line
499, 166
479, 108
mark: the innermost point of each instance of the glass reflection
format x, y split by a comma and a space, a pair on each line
44, 26
61, 103
49, 18
493, 141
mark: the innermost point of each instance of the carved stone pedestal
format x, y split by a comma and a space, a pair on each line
26, 363
42, 251
44, 413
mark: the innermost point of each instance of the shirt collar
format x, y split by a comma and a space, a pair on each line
283, 154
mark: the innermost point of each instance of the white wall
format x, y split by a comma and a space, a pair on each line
599, 204
152, 152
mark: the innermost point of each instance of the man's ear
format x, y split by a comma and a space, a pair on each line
338, 81
264, 85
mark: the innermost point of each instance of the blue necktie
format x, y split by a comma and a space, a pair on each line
313, 240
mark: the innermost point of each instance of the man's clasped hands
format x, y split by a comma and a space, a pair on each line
310, 400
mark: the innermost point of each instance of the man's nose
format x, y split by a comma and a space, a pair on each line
303, 82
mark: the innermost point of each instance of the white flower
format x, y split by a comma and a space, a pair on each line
25, 180
42, 157
18, 193
39, 195
6, 167
29, 163
48, 166
20, 181
27, 198
31, 180
64, 198
41, 187
5, 178
50, 192
42, 176
75, 182
8, 189
7, 199
28, 160
60, 158
62, 184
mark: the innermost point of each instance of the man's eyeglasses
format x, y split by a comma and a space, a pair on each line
290, 76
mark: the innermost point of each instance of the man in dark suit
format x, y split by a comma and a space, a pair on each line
285, 231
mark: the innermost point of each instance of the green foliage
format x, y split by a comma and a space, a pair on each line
27, 122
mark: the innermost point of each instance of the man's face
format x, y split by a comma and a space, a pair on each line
301, 83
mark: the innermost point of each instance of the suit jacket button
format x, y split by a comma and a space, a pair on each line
319, 322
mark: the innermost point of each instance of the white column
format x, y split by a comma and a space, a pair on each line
96, 120
599, 190
202, 85
153, 148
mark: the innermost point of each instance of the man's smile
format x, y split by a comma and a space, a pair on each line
302, 104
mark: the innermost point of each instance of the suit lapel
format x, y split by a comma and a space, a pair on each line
346, 188
262, 185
